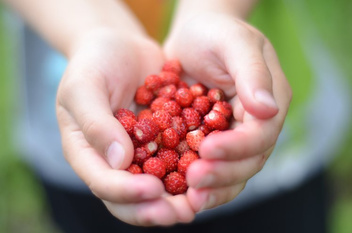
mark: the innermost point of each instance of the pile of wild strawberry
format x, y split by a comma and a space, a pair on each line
167, 133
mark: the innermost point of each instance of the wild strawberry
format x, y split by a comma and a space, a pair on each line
153, 82
191, 118
172, 66
162, 119
128, 123
205, 129
198, 89
184, 97
170, 138
202, 105
216, 94
135, 142
216, 120
123, 112
185, 160
155, 166
180, 126
170, 157
158, 139
175, 183
168, 78
143, 96
194, 139
223, 107
151, 147
158, 103
182, 84
167, 91
145, 130
145, 113
182, 147
140, 156
214, 132
172, 107
135, 169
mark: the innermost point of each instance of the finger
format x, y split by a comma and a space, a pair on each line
218, 173
105, 182
245, 140
149, 213
162, 211
183, 209
247, 66
202, 199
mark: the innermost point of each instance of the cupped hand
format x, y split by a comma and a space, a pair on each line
225, 52
105, 68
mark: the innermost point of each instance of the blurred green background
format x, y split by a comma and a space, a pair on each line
22, 202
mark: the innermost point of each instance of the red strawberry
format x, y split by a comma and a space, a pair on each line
167, 91
143, 96
180, 126
135, 142
145, 113
191, 118
172, 107
182, 147
128, 123
182, 84
194, 138
155, 166
214, 132
172, 66
158, 103
170, 138
223, 107
151, 147
153, 82
205, 129
135, 169
198, 89
170, 157
145, 130
216, 94
140, 156
162, 119
168, 78
159, 138
202, 105
186, 159
184, 97
175, 183
123, 112
216, 120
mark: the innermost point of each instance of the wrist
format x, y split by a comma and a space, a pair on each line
188, 9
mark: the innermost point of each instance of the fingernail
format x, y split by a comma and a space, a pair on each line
206, 181
265, 97
115, 155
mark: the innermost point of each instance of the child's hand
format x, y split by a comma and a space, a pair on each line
103, 74
225, 52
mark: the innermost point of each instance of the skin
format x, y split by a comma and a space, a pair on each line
109, 55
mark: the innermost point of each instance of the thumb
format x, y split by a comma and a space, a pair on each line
253, 79
90, 111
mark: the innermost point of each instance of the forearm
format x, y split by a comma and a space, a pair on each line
65, 22
187, 9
